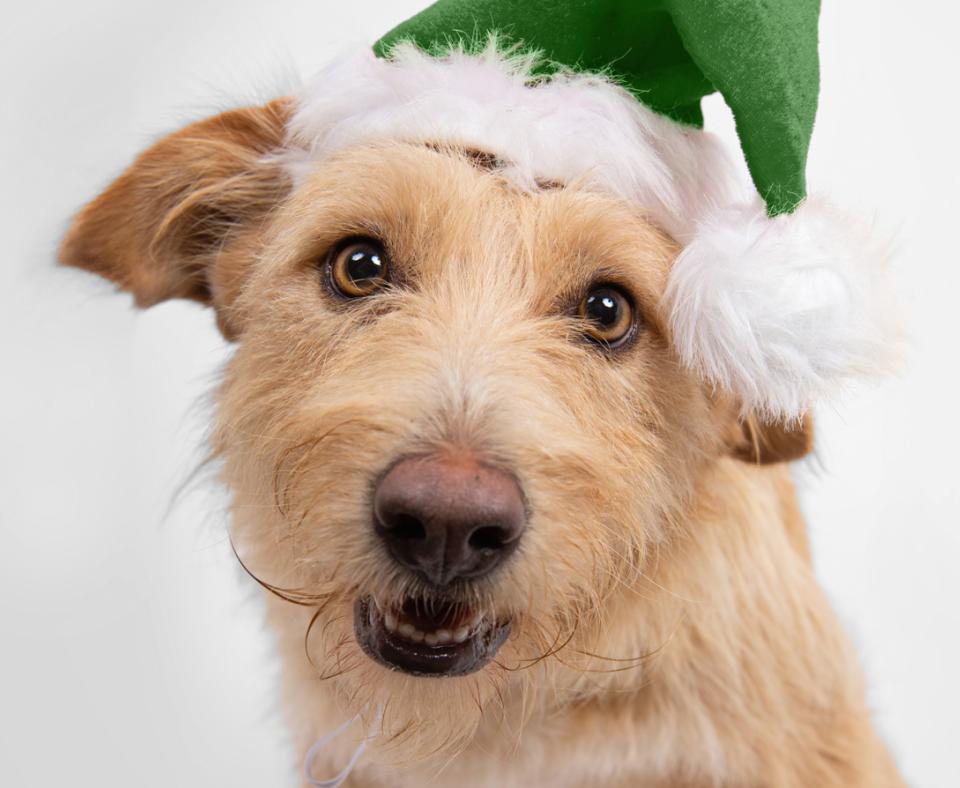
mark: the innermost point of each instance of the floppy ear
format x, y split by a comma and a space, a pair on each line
174, 224
763, 443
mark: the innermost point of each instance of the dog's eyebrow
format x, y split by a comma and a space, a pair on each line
484, 160
488, 162
481, 159
545, 185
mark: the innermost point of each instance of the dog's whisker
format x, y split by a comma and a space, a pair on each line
305, 451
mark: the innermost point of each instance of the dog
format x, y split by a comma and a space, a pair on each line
506, 535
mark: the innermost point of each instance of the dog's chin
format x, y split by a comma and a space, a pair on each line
439, 640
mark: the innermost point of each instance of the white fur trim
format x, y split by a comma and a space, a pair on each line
783, 311
570, 128
778, 312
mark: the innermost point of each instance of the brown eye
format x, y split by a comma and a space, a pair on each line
359, 268
608, 313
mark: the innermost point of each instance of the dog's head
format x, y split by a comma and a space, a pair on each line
455, 424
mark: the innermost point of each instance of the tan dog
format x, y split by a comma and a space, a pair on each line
502, 525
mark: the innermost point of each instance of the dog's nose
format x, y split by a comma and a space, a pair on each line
448, 516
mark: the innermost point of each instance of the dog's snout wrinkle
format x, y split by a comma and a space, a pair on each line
448, 516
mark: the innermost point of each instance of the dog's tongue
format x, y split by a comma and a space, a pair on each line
429, 615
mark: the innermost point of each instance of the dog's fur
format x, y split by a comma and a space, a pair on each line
667, 629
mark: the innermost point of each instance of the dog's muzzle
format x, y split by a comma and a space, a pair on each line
449, 519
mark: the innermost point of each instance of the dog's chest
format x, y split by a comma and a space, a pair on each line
574, 752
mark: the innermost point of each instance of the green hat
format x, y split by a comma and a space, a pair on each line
760, 54
773, 297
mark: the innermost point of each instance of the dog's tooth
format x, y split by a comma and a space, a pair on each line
416, 636
430, 639
390, 620
443, 635
460, 635
406, 629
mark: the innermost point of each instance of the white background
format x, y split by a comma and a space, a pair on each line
131, 650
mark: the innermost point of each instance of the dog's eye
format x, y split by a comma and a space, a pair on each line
609, 315
359, 268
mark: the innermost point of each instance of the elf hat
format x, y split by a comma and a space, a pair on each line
775, 298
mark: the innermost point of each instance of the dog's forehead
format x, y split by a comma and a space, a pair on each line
435, 206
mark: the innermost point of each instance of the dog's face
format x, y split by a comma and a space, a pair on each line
454, 425
462, 404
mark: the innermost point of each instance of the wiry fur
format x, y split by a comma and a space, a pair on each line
667, 629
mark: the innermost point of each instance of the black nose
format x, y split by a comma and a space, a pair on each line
448, 516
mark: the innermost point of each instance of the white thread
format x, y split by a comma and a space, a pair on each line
322, 742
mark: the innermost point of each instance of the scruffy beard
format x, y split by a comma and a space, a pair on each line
302, 525
543, 638
418, 718
427, 720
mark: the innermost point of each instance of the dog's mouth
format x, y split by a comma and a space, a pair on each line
428, 639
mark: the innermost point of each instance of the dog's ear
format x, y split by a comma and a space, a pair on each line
173, 224
763, 443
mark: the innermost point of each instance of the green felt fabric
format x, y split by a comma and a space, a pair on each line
760, 54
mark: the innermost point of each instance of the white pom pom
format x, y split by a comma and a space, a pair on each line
782, 312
